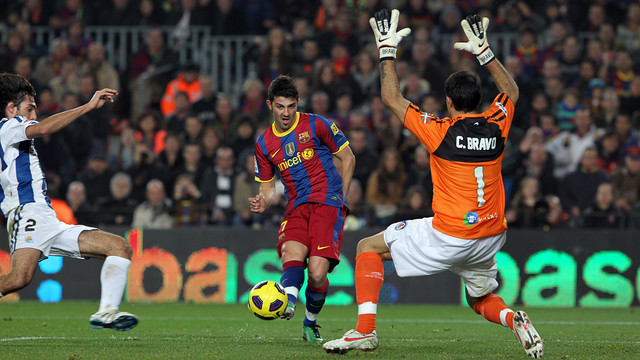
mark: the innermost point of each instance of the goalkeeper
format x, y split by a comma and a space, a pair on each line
469, 226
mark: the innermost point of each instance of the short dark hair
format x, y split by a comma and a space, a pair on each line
284, 86
14, 88
464, 89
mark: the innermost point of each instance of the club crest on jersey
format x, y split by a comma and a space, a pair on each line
304, 137
290, 149
470, 219
401, 225
334, 129
307, 153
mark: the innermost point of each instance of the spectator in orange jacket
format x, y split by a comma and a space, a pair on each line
187, 81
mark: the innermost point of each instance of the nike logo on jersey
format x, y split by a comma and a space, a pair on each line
274, 154
359, 338
322, 247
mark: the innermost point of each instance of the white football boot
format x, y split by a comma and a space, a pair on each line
527, 335
288, 313
352, 340
116, 320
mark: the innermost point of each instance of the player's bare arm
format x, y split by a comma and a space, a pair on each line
384, 26
58, 121
475, 29
390, 93
265, 198
347, 164
504, 80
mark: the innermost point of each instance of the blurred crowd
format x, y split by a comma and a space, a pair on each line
184, 157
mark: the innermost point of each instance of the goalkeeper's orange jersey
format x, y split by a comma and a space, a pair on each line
467, 151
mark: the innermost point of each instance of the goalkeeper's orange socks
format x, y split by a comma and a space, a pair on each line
493, 308
292, 279
369, 278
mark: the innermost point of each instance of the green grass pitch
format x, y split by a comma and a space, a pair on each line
32, 330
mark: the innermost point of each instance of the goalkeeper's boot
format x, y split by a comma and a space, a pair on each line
527, 335
311, 333
288, 312
116, 320
352, 340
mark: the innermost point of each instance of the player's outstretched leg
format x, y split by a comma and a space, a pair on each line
315, 301
527, 335
113, 279
369, 276
291, 279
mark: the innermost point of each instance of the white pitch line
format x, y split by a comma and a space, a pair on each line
559, 341
382, 320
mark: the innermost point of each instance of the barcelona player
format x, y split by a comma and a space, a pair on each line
469, 226
300, 148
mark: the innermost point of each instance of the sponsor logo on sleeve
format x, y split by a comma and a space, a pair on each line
334, 129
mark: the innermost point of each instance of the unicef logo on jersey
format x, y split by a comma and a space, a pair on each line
401, 225
471, 218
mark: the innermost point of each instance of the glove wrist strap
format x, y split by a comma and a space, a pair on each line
387, 53
485, 56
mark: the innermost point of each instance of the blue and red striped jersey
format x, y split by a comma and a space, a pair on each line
303, 157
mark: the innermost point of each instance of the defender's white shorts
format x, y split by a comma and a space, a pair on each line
36, 226
418, 249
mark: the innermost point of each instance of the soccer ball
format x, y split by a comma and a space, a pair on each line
268, 300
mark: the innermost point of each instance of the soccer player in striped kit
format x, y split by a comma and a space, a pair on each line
300, 148
469, 226
34, 230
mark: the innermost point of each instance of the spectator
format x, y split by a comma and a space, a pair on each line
150, 13
577, 188
77, 200
610, 154
49, 66
78, 42
306, 61
626, 132
154, 212
188, 15
568, 146
570, 59
97, 66
188, 82
225, 115
321, 103
253, 100
415, 205
10, 51
619, 75
171, 158
603, 214
78, 135
210, 143
96, 176
217, 189
205, 108
527, 209
149, 130
100, 119
259, 16
69, 11
244, 187
341, 115
340, 59
366, 159
610, 109
175, 122
428, 68
325, 80
630, 28
192, 164
631, 103
360, 212
385, 186
414, 87
62, 209
67, 81
117, 208
243, 138
121, 158
365, 79
528, 52
275, 57
145, 168
420, 175
192, 132
626, 181
35, 12
186, 199
567, 108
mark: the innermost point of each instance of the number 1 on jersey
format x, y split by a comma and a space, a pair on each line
478, 172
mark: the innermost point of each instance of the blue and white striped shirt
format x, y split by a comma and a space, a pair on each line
22, 180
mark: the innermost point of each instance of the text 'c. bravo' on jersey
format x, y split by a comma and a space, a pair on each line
466, 164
